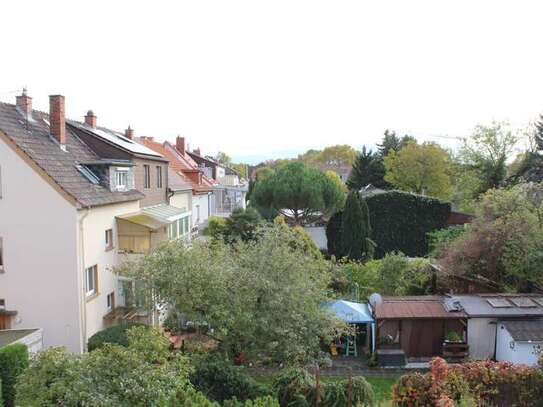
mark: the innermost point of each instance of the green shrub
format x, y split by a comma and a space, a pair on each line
13, 361
220, 380
1, 398
439, 239
267, 401
294, 385
114, 334
401, 221
337, 393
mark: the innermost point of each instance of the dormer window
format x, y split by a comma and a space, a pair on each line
121, 178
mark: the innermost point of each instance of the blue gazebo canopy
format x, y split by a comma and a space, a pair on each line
350, 312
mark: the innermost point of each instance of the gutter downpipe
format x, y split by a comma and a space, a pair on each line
82, 283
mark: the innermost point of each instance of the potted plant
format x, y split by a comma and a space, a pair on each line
453, 337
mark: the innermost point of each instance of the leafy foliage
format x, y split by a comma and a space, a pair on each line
220, 380
486, 153
355, 229
392, 275
400, 222
420, 168
440, 239
504, 243
115, 334
297, 387
485, 382
298, 192
243, 290
241, 224
13, 361
111, 375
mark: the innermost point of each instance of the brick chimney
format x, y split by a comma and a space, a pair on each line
129, 133
180, 144
90, 119
24, 103
57, 119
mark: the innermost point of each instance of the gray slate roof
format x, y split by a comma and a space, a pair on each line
524, 331
477, 305
36, 142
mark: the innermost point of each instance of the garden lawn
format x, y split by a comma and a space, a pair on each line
381, 384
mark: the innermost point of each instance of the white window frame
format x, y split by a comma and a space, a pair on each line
146, 176
159, 181
91, 271
121, 178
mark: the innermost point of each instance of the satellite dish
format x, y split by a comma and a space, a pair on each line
375, 299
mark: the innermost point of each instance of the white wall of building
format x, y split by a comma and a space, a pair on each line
510, 350
481, 337
38, 227
182, 199
200, 209
95, 222
318, 234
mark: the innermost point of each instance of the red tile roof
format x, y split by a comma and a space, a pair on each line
186, 169
415, 307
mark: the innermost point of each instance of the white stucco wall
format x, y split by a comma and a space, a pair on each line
182, 199
95, 222
481, 337
516, 352
39, 231
200, 209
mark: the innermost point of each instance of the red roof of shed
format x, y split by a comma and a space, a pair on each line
415, 307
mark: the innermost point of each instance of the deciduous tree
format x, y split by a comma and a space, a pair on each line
261, 297
420, 168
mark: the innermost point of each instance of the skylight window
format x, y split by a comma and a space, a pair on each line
499, 303
523, 302
87, 173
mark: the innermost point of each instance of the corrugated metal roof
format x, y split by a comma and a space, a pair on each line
417, 307
525, 331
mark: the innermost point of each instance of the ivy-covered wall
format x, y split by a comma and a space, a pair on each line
400, 221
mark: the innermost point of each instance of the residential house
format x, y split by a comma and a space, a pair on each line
230, 188
187, 171
499, 322
75, 201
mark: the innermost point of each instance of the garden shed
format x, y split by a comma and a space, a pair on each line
519, 341
416, 325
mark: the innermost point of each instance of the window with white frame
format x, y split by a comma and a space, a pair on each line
91, 280
178, 228
121, 178
159, 176
146, 176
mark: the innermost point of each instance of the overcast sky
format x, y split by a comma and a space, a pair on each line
264, 78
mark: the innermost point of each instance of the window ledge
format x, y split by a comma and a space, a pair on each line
91, 297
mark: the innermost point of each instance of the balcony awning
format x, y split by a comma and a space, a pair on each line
155, 217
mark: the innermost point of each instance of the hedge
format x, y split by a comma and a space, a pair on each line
400, 222
114, 334
13, 361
